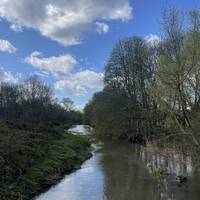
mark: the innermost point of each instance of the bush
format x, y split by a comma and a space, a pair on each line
31, 162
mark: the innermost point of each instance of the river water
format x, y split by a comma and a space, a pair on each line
117, 171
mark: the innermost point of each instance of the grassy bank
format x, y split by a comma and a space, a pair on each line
31, 163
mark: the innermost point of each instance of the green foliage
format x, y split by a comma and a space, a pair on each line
34, 152
19, 150
124, 108
29, 163
154, 171
176, 83
152, 90
31, 103
105, 115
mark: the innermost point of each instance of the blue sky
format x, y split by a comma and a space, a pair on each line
68, 42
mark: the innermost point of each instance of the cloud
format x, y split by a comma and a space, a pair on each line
16, 27
7, 76
153, 40
57, 66
63, 21
102, 27
71, 83
80, 83
6, 46
41, 73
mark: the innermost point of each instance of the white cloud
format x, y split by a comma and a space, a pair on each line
79, 83
6, 46
41, 73
16, 27
153, 40
102, 27
58, 66
63, 21
7, 76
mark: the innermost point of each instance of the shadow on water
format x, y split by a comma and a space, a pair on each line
126, 176
117, 171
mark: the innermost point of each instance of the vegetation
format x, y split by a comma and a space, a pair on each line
31, 105
152, 89
35, 150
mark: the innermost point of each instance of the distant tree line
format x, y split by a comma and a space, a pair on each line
31, 105
152, 89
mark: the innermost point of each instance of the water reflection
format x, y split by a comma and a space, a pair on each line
80, 130
126, 176
84, 184
117, 171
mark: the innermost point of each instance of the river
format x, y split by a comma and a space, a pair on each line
117, 171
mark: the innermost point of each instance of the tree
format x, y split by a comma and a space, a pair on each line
176, 82
68, 104
124, 107
130, 69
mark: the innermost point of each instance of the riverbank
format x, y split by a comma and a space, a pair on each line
57, 158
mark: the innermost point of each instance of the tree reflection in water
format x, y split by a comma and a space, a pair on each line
127, 178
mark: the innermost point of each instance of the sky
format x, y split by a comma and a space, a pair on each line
67, 43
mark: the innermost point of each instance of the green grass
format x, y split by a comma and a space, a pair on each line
63, 156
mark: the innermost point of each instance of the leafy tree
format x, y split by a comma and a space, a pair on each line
124, 108
176, 81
